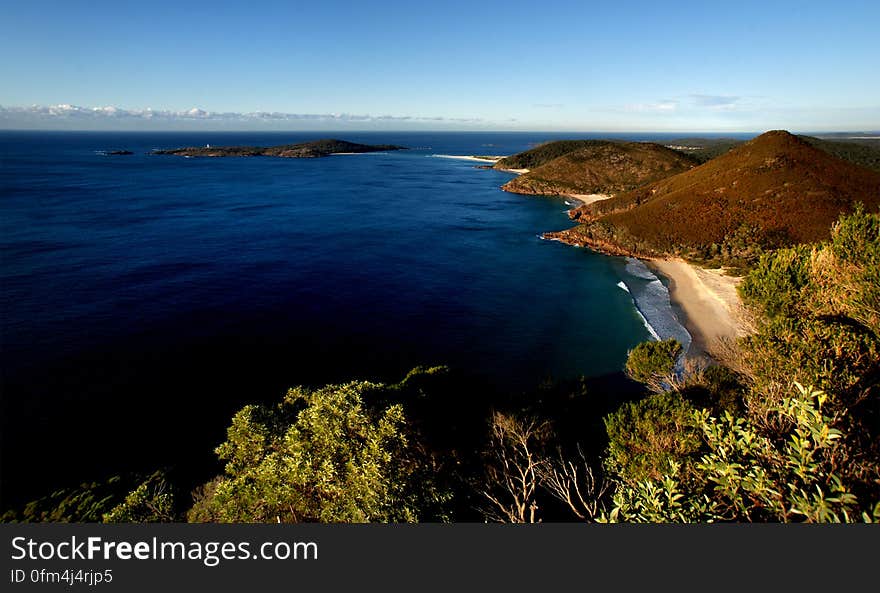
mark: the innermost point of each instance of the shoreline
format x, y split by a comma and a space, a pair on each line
464, 157
480, 159
587, 199
708, 302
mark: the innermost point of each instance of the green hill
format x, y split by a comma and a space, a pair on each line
544, 153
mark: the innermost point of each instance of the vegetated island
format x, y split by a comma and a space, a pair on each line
304, 150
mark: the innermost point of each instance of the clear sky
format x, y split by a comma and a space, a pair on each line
614, 65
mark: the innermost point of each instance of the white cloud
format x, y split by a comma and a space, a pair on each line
717, 102
665, 106
73, 113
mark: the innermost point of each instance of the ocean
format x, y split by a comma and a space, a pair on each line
146, 298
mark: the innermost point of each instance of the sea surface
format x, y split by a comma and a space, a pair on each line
146, 298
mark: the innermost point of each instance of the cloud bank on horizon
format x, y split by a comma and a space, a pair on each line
63, 116
717, 113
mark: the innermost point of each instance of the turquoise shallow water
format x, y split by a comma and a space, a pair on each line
145, 298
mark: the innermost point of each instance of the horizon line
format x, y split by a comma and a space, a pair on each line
449, 131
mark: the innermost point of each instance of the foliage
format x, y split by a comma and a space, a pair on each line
653, 362
86, 503
121, 498
152, 501
747, 475
320, 455
774, 286
864, 152
647, 438
713, 387
822, 320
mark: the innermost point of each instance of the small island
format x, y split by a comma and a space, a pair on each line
304, 150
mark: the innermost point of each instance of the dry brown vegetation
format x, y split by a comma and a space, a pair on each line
773, 191
599, 167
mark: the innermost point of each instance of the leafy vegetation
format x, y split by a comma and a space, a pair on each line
653, 362
646, 439
747, 476
153, 501
864, 152
129, 498
319, 455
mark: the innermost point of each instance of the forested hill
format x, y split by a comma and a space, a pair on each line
772, 191
593, 167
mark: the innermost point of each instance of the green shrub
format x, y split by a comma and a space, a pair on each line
652, 362
647, 438
775, 285
747, 476
320, 455
152, 501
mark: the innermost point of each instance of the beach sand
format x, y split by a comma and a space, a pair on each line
712, 308
462, 157
480, 159
588, 198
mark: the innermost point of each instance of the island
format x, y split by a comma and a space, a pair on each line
304, 150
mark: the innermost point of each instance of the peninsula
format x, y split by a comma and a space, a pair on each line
588, 168
304, 150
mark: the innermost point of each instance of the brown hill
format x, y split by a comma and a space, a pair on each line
600, 167
774, 190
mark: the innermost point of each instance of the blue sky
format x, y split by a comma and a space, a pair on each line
580, 66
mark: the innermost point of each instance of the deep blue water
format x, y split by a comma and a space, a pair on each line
145, 298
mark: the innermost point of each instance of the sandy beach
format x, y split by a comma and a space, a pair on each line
480, 159
463, 157
712, 308
588, 198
